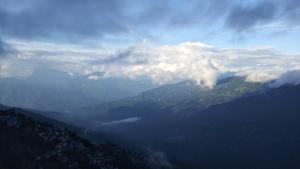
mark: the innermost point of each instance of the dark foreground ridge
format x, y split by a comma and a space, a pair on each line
28, 144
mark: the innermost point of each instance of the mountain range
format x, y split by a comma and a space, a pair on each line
237, 124
172, 101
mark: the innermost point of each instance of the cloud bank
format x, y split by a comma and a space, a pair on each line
163, 64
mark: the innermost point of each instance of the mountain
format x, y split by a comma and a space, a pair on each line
50, 90
26, 143
169, 101
29, 140
261, 131
255, 131
236, 125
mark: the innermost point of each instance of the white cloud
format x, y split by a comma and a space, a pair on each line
127, 120
13, 67
163, 64
290, 77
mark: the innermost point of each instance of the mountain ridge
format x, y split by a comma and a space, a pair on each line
173, 98
260, 130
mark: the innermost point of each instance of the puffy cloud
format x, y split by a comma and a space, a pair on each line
163, 64
290, 77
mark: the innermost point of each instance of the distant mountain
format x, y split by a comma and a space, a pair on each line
172, 101
57, 91
255, 131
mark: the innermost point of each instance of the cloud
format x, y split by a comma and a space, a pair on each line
263, 14
127, 120
69, 19
12, 67
11, 62
158, 159
162, 64
3, 48
75, 20
174, 14
41, 33
79, 21
291, 10
243, 17
290, 77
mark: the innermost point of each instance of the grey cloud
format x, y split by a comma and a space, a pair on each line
178, 14
77, 20
292, 5
244, 17
153, 12
291, 10
4, 48
203, 12
237, 15
290, 77
69, 19
121, 55
128, 56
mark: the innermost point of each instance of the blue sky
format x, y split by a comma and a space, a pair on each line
64, 33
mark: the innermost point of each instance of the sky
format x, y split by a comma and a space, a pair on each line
167, 41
